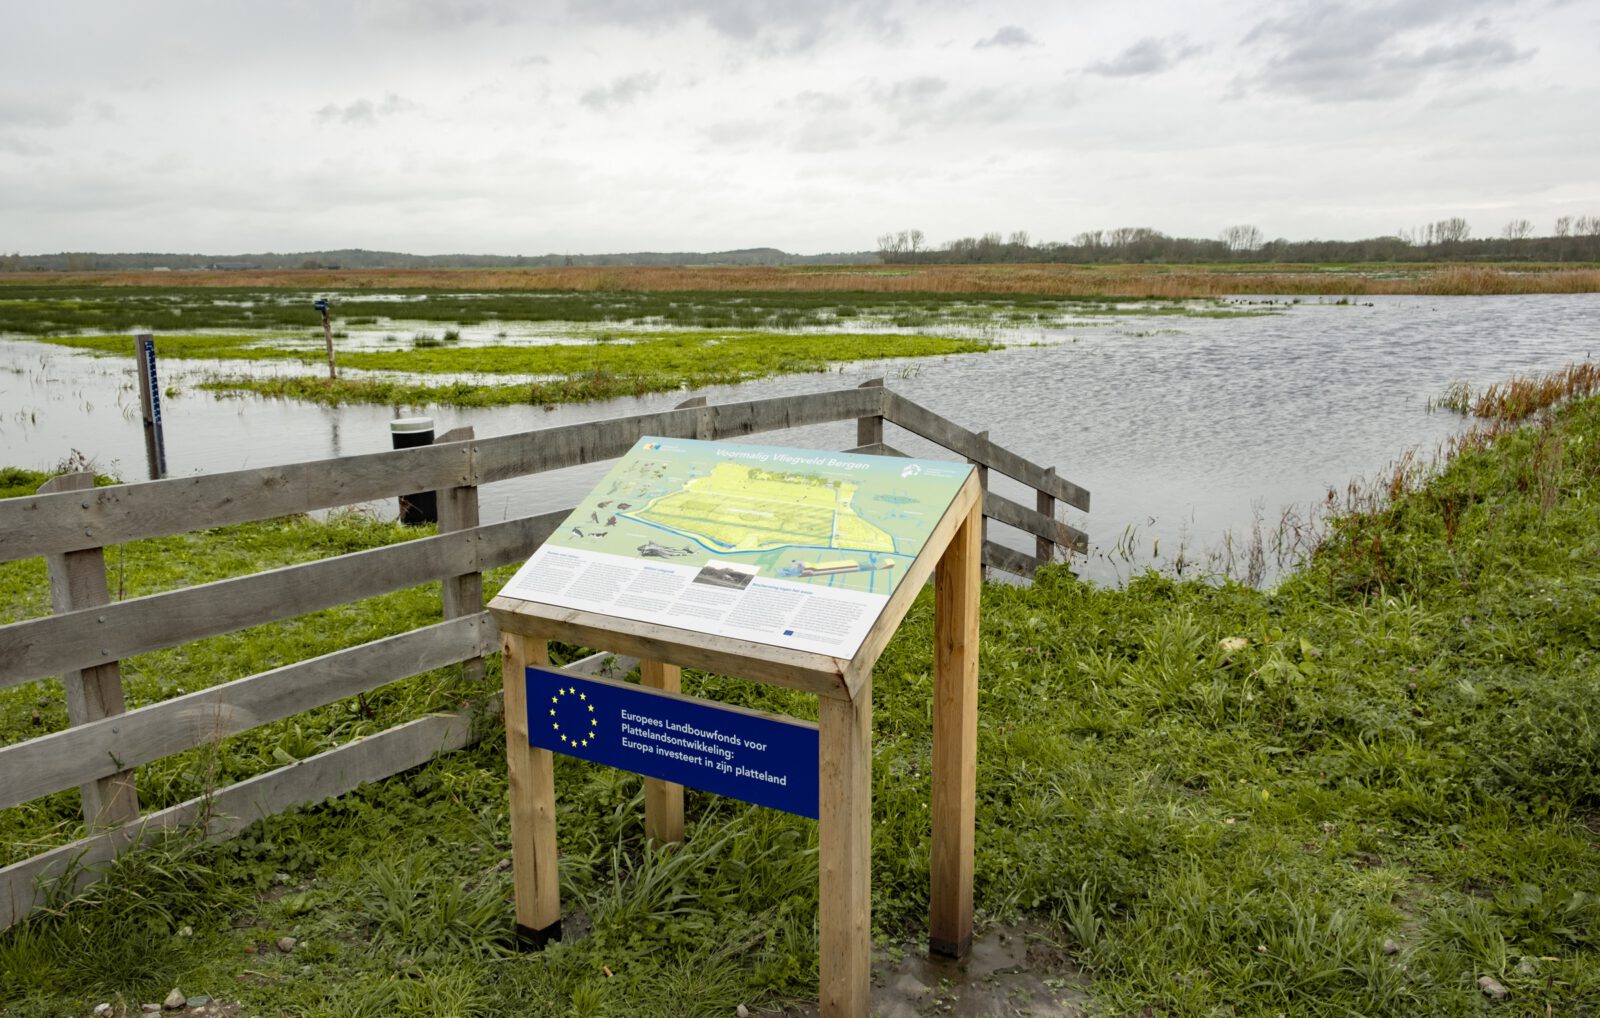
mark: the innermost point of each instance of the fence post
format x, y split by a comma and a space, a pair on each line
77, 581
1044, 548
869, 430
458, 511
983, 485
704, 429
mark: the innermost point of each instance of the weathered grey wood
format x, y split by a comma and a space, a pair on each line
68, 521
225, 812
83, 639
983, 482
1009, 559
922, 421
878, 449
1044, 548
100, 748
703, 427
509, 541
570, 445
78, 580
458, 513
1045, 528
869, 429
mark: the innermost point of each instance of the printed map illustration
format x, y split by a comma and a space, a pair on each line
830, 519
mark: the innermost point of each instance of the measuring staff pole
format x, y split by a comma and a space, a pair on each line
155, 444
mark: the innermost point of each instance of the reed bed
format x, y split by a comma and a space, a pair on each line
1520, 398
1050, 279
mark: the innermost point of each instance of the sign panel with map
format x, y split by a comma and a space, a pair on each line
788, 547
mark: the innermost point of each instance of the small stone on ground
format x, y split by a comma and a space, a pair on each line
286, 944
174, 1000
1492, 988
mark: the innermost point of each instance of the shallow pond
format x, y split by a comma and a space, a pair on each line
1186, 430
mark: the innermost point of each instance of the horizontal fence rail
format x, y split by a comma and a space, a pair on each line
69, 524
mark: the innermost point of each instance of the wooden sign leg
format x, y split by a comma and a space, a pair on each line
955, 737
531, 775
845, 854
663, 800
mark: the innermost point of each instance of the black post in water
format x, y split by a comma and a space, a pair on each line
408, 433
155, 443
321, 304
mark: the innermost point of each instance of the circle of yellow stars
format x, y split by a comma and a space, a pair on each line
576, 736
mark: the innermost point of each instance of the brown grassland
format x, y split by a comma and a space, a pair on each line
1052, 279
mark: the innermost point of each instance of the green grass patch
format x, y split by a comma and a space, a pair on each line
1222, 800
573, 373
70, 309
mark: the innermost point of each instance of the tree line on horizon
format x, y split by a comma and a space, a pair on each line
1573, 238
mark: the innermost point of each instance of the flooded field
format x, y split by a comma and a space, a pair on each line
1193, 425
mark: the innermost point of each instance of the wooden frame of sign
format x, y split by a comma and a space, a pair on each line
951, 556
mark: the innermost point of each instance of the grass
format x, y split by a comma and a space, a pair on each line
563, 373
1221, 800
33, 309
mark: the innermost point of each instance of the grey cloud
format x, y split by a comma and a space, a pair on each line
929, 101
443, 14
1008, 37
1149, 55
819, 102
736, 133
1341, 51
831, 134
534, 61
620, 92
44, 111
772, 26
917, 91
365, 112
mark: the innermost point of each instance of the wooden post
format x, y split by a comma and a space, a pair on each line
663, 800
704, 429
844, 858
78, 580
327, 335
532, 780
155, 442
458, 510
983, 487
955, 737
1043, 547
869, 430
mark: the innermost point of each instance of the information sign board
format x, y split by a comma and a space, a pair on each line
794, 548
758, 758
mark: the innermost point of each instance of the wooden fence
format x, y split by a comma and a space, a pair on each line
70, 522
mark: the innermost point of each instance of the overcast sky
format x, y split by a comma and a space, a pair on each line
810, 125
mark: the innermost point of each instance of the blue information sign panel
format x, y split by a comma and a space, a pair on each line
758, 758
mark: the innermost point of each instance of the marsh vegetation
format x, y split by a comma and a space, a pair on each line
1356, 793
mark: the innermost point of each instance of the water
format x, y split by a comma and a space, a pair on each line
1183, 429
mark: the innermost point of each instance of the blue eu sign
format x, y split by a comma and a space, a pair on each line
757, 758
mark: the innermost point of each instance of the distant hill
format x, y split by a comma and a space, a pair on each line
357, 258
